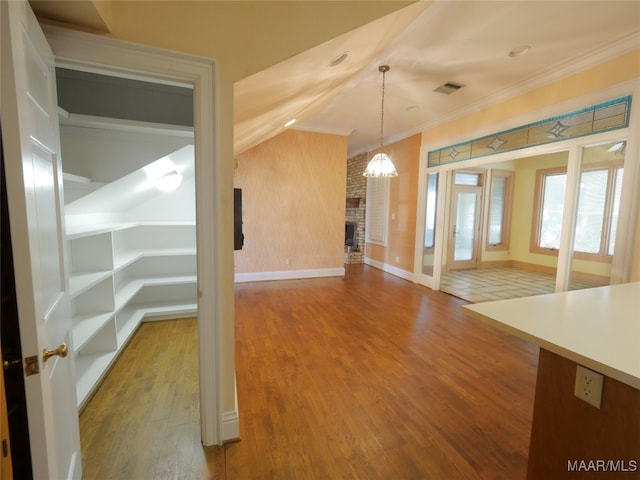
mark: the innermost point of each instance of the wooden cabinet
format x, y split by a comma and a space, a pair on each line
120, 275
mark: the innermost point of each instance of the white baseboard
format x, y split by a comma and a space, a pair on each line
398, 272
289, 274
230, 421
230, 426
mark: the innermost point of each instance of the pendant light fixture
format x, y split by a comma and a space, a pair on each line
381, 165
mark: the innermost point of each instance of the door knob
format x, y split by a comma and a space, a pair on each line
61, 351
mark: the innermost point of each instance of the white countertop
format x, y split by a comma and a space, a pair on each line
598, 328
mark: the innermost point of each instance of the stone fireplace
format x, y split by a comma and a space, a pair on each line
355, 212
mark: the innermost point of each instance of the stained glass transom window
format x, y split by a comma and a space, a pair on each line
611, 115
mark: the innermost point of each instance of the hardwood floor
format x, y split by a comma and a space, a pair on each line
143, 421
364, 377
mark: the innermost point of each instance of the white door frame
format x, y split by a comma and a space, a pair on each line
106, 55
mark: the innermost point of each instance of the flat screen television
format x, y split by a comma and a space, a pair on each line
238, 236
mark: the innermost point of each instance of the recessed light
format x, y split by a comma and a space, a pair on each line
521, 50
290, 122
339, 59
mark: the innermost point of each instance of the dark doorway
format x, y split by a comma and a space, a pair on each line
11, 350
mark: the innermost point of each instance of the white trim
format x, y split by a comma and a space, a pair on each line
288, 274
117, 124
101, 54
629, 203
230, 419
398, 272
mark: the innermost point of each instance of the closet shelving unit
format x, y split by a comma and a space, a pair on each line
131, 248
119, 275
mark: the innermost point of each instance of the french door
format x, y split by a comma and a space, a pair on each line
465, 227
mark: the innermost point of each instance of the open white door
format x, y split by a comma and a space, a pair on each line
28, 109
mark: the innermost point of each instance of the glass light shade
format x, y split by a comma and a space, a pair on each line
380, 166
169, 181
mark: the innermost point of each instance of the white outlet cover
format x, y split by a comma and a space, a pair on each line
589, 386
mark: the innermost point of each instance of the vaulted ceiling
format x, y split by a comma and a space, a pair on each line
426, 44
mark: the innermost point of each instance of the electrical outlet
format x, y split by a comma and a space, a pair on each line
588, 386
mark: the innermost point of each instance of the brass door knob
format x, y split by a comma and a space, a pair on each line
61, 351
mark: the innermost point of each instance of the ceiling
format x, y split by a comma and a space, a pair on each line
428, 44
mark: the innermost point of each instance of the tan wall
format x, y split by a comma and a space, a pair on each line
607, 74
402, 206
294, 191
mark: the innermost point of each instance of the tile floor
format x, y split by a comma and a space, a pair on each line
500, 283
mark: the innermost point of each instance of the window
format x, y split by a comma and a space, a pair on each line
550, 189
596, 216
377, 216
500, 200
468, 178
430, 214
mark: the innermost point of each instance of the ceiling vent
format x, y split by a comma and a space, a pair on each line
448, 88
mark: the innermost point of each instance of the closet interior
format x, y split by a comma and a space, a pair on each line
129, 190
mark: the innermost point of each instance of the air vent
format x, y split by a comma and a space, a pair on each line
448, 88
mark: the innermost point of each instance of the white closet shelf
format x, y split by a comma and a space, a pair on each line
131, 316
126, 291
80, 282
125, 258
75, 232
89, 371
87, 326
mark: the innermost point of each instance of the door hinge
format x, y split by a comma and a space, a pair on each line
5, 448
31, 365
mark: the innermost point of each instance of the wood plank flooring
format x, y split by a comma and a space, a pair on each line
143, 421
363, 377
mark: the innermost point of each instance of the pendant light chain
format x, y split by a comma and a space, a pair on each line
381, 166
384, 69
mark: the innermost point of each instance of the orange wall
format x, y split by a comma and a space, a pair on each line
293, 198
402, 206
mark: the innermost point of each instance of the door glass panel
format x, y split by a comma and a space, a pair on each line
465, 226
430, 223
496, 212
552, 206
591, 208
465, 178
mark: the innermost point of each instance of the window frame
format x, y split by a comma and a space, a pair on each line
602, 256
507, 209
